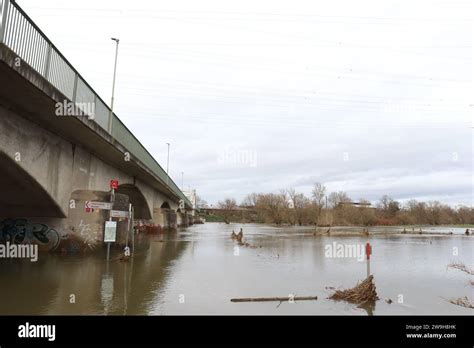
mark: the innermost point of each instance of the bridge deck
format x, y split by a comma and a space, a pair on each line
45, 77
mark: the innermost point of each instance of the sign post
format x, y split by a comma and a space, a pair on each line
368, 252
111, 224
110, 234
127, 248
132, 214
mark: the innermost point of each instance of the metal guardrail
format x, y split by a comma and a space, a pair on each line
19, 33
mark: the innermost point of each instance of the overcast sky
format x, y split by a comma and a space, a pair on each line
369, 97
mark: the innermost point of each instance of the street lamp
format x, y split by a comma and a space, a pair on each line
113, 86
182, 181
168, 164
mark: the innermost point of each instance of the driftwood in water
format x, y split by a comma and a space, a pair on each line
360, 294
269, 299
238, 237
463, 302
462, 267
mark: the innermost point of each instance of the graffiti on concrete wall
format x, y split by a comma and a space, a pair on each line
82, 238
89, 234
21, 231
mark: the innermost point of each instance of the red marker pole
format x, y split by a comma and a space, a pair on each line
368, 252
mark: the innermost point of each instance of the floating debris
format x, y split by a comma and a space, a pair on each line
362, 293
269, 299
463, 302
238, 237
461, 267
248, 245
124, 258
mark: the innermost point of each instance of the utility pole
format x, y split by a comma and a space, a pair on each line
168, 164
111, 115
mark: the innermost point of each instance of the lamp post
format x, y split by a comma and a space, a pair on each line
168, 164
182, 181
113, 86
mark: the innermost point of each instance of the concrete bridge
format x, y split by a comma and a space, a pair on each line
60, 146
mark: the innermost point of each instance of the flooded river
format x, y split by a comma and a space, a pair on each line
199, 269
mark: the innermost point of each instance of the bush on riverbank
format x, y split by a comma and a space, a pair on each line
213, 218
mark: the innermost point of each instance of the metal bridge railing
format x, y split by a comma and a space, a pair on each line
22, 36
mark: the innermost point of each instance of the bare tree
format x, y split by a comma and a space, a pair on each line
228, 206
465, 215
434, 209
272, 207
319, 194
384, 202
250, 200
364, 215
336, 198
289, 195
300, 205
389, 206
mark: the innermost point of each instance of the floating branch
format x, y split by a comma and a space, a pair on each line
463, 302
270, 299
461, 267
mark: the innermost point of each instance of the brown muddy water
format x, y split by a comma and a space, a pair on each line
198, 270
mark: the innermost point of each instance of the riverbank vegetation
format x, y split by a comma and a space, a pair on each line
336, 208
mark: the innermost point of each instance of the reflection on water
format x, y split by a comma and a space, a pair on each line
197, 271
